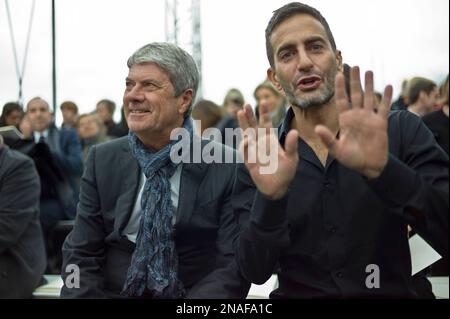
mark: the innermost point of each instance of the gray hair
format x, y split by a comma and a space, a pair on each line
178, 64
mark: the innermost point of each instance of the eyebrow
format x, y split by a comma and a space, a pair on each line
315, 38
285, 46
310, 40
149, 80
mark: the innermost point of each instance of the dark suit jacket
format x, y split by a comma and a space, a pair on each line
204, 230
60, 162
22, 252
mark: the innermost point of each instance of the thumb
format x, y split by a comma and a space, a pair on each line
327, 137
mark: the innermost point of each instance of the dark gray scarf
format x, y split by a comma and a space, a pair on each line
154, 265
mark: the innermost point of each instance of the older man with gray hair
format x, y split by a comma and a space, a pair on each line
147, 227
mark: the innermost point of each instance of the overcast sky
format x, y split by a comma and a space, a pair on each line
396, 38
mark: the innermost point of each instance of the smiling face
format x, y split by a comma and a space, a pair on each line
151, 108
305, 64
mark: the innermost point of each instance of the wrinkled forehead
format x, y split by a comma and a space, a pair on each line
298, 28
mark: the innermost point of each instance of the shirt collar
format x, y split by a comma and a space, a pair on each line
37, 135
286, 125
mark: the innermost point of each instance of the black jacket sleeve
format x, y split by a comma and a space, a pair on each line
264, 230
85, 245
415, 182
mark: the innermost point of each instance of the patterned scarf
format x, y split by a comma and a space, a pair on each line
154, 265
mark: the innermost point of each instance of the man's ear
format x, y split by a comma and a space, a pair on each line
422, 95
185, 100
340, 65
272, 76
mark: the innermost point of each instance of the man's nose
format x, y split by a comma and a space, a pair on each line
135, 94
304, 61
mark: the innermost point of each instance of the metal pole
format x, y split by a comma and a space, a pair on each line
197, 42
54, 56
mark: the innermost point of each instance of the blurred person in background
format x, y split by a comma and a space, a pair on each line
233, 102
91, 132
69, 112
422, 96
212, 115
208, 113
267, 95
58, 159
12, 115
402, 101
105, 110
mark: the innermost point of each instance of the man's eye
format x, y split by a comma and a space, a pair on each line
316, 47
150, 85
286, 55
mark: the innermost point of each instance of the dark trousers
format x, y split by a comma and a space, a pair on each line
51, 213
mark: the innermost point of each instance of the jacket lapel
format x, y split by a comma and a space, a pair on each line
191, 177
130, 182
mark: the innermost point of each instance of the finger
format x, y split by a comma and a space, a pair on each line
355, 88
341, 94
369, 95
385, 104
247, 148
243, 146
327, 138
242, 119
251, 118
291, 143
264, 116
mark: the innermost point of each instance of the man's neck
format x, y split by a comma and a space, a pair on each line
306, 120
154, 142
158, 140
417, 109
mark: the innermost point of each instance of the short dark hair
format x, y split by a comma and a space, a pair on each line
287, 11
69, 105
417, 85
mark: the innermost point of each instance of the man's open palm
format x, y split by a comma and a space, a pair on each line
363, 141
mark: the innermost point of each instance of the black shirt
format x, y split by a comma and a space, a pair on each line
334, 224
438, 123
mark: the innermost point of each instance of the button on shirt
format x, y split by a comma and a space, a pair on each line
334, 222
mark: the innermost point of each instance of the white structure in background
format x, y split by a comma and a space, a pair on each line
183, 28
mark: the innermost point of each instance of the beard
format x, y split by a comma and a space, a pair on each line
315, 98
